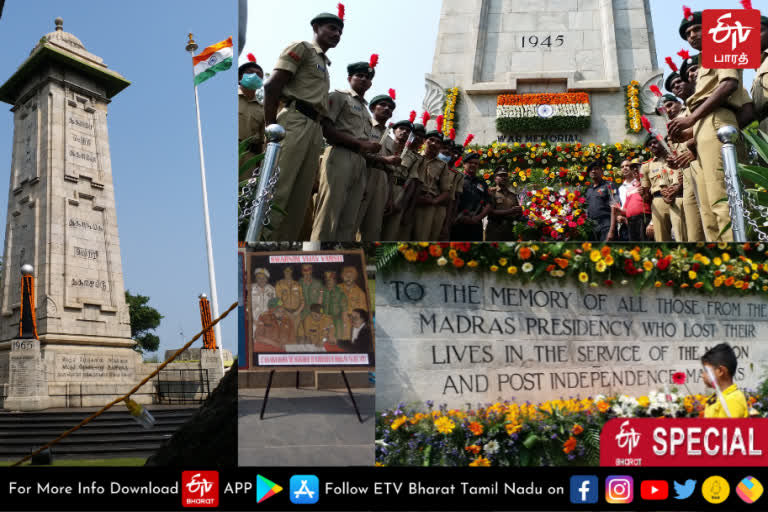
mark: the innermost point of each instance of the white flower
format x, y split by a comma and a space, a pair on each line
527, 266
491, 448
442, 261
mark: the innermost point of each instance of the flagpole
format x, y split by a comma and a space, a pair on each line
191, 47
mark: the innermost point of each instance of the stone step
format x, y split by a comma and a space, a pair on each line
94, 450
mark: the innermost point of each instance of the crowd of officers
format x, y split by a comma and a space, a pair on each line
678, 193
340, 179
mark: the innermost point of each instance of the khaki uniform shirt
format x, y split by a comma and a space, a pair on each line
410, 167
458, 183
250, 117
311, 81
315, 330
436, 177
387, 148
348, 112
503, 199
290, 293
709, 79
656, 175
760, 89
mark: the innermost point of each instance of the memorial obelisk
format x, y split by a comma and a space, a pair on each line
62, 220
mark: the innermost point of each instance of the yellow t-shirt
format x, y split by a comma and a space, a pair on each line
734, 399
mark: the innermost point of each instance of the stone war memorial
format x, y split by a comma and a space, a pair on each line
476, 336
62, 221
555, 71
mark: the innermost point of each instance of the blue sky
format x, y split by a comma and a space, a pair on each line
404, 34
153, 142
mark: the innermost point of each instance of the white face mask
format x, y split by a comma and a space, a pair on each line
444, 158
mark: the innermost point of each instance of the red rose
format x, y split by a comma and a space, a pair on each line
663, 263
423, 255
696, 267
678, 377
670, 283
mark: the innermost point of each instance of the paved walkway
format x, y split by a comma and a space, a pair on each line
306, 427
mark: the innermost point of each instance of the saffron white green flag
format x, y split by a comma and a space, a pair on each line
215, 58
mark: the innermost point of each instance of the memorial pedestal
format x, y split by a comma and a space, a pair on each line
211, 360
27, 379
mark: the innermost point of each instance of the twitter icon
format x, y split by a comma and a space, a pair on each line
684, 491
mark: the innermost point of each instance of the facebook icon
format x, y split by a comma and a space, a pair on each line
583, 489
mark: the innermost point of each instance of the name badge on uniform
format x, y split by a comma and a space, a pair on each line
357, 108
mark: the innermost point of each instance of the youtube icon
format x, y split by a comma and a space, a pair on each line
654, 490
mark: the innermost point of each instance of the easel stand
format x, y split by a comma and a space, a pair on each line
269, 386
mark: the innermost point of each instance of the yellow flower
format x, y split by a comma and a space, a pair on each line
452, 254
648, 265
600, 266
657, 284
594, 255
444, 425
411, 255
583, 277
424, 244
609, 260
472, 263
512, 270
398, 422
503, 262
726, 257
643, 401
480, 462
691, 275
494, 268
717, 261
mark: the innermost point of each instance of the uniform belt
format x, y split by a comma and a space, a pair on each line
305, 108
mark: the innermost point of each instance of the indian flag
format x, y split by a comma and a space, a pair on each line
542, 112
215, 58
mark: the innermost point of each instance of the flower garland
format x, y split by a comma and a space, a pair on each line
449, 112
554, 165
516, 113
633, 107
556, 432
738, 269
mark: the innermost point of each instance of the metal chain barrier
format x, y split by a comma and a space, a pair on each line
131, 392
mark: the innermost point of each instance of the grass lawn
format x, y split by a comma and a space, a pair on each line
120, 462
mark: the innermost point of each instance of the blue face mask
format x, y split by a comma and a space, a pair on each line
444, 158
251, 81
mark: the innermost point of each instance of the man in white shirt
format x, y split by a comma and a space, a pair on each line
261, 293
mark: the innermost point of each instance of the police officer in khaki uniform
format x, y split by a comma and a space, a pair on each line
377, 191
659, 179
401, 180
343, 172
301, 82
686, 160
717, 101
506, 208
670, 104
437, 190
414, 162
250, 113
760, 84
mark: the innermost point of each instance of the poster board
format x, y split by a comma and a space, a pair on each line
308, 310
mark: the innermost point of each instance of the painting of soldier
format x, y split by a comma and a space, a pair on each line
325, 310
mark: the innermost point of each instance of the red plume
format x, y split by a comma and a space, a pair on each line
425, 117
342, 11
251, 57
469, 139
374, 60
747, 4
646, 123
412, 116
458, 162
452, 134
392, 94
687, 13
671, 64
655, 90
439, 122
684, 54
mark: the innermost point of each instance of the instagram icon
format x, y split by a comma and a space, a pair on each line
619, 489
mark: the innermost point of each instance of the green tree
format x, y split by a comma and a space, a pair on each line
144, 318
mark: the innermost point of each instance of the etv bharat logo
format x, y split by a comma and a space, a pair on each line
730, 39
628, 440
200, 488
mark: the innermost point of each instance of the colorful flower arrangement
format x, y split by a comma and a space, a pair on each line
737, 269
552, 433
554, 215
449, 112
554, 165
518, 113
633, 107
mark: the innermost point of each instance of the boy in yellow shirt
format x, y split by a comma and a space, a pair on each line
720, 362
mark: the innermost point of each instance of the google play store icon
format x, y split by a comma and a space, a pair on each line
265, 488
